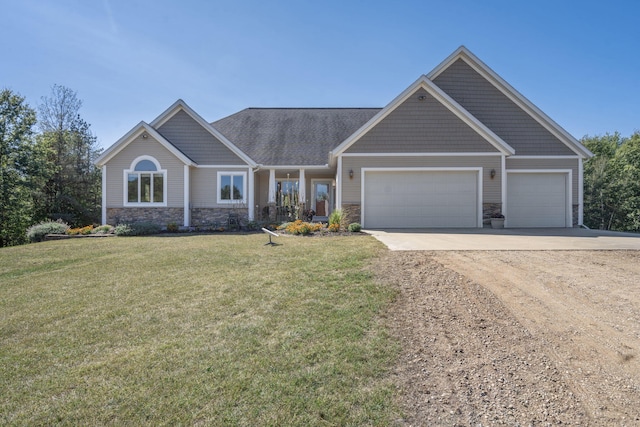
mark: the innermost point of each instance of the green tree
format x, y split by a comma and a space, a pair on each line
72, 191
19, 166
626, 163
600, 203
612, 183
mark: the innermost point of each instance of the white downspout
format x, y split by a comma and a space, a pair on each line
580, 193
339, 184
104, 195
503, 189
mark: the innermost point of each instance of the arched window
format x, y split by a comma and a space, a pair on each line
145, 183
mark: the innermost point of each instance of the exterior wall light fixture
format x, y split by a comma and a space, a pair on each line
493, 173
350, 173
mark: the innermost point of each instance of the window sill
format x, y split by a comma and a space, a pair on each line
145, 205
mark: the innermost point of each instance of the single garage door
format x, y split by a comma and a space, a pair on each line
537, 200
420, 199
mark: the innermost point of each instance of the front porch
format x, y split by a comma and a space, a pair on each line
288, 194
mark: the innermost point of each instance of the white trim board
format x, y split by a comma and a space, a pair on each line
516, 157
482, 154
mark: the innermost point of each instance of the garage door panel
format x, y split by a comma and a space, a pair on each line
537, 199
420, 199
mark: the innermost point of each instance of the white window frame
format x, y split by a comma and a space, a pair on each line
131, 171
219, 188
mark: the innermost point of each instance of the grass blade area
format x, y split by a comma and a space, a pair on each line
210, 330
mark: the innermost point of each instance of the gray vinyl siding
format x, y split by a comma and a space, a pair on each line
421, 126
204, 187
491, 188
196, 142
489, 105
141, 147
549, 164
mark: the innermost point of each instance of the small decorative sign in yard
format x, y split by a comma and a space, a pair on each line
270, 233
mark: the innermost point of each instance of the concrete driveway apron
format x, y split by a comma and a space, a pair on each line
482, 239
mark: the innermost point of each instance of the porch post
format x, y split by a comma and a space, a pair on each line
251, 198
271, 202
302, 189
272, 186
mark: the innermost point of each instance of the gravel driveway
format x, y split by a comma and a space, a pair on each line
516, 337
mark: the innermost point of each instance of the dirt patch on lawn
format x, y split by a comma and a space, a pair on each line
517, 337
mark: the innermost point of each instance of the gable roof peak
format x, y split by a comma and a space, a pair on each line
423, 82
136, 131
180, 105
511, 93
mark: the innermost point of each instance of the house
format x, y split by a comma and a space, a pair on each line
457, 145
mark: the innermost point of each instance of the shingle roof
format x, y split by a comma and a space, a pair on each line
292, 136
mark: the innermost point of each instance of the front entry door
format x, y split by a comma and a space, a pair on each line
322, 197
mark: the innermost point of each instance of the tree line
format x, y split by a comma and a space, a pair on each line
612, 182
47, 169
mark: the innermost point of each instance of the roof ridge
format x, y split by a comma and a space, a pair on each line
313, 108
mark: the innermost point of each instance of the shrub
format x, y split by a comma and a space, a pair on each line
80, 230
355, 227
36, 233
304, 228
336, 217
136, 229
283, 226
103, 229
335, 220
123, 230
252, 225
172, 227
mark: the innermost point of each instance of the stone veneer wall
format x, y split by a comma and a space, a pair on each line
488, 209
351, 213
575, 215
159, 216
216, 216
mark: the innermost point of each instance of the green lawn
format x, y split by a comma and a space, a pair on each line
207, 330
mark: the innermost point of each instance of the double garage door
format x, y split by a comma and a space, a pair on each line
452, 198
421, 199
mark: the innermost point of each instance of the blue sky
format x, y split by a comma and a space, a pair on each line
578, 61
